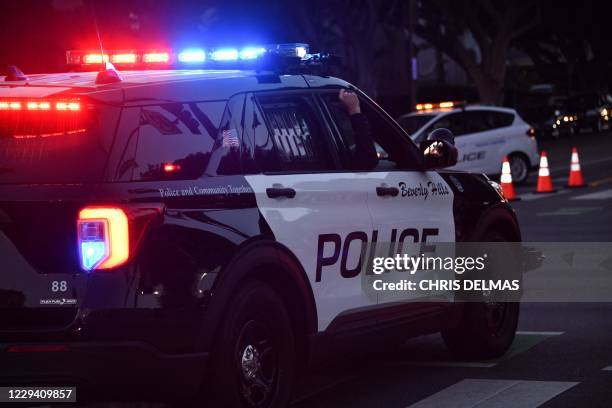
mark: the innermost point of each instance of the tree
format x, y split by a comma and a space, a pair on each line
356, 30
477, 34
571, 47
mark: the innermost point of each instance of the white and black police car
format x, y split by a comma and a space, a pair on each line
484, 136
196, 233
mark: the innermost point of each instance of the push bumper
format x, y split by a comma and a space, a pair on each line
104, 370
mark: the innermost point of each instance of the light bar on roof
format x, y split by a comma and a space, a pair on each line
151, 58
439, 105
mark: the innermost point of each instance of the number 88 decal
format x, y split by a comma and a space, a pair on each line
59, 286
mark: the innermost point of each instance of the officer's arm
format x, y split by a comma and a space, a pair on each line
364, 156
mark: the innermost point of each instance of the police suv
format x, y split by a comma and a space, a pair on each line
196, 233
485, 134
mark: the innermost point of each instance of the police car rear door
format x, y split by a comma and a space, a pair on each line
313, 208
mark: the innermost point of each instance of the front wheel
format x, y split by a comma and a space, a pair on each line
254, 358
519, 167
487, 328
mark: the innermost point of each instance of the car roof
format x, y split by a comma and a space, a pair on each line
471, 107
168, 85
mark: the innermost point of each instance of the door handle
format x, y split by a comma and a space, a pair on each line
277, 192
387, 191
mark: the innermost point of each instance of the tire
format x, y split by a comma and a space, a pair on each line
486, 329
253, 364
519, 166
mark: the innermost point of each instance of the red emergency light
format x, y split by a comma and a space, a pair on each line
171, 167
124, 58
156, 57
41, 105
26, 118
120, 58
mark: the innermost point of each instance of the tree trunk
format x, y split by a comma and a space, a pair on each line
490, 92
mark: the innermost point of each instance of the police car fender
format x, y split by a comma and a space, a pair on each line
333, 216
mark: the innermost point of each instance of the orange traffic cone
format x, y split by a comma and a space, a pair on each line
544, 180
506, 180
575, 176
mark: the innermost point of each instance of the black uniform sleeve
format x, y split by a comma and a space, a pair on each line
364, 155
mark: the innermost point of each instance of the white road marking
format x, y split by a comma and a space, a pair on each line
598, 195
478, 364
608, 368
583, 163
470, 393
536, 196
565, 211
466, 364
313, 390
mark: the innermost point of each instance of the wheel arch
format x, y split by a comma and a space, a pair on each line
498, 218
268, 261
525, 155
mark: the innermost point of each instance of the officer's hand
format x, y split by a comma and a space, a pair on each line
350, 101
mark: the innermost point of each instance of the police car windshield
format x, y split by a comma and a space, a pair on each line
412, 124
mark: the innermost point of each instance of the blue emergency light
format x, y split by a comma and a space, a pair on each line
224, 54
192, 55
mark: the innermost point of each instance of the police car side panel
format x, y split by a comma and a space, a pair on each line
421, 213
477, 207
519, 142
173, 270
324, 226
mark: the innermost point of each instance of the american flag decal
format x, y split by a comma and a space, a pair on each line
230, 138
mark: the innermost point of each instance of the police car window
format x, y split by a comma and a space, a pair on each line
412, 124
344, 126
500, 119
453, 122
393, 147
477, 121
258, 151
175, 141
297, 138
39, 147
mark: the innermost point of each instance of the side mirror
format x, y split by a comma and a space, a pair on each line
439, 149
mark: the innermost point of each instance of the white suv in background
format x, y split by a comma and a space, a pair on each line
484, 135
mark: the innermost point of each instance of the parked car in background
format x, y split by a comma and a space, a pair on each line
588, 112
545, 113
484, 135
